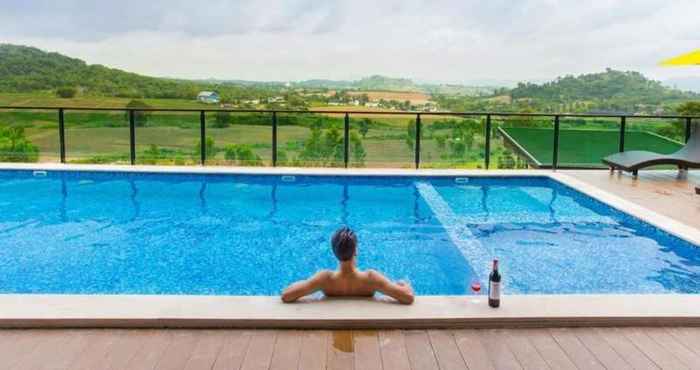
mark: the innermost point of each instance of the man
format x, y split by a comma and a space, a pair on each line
348, 280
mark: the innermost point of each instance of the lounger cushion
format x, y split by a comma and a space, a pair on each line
633, 159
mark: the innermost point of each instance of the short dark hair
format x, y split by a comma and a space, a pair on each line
344, 244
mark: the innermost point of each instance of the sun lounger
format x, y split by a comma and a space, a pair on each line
632, 161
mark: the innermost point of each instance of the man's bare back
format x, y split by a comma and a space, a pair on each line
348, 280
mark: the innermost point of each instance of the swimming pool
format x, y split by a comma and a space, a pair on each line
145, 233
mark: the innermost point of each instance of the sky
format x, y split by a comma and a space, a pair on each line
456, 41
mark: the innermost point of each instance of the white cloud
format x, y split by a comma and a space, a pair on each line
429, 40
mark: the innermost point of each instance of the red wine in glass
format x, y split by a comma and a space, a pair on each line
476, 286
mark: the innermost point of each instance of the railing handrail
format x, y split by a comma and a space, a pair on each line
360, 112
556, 117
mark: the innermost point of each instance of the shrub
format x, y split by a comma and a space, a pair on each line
66, 92
14, 146
242, 154
223, 119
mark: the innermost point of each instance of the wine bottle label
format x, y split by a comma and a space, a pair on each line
495, 291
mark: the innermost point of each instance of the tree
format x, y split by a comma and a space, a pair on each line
324, 146
363, 99
15, 147
358, 150
440, 140
66, 92
676, 130
241, 153
364, 126
222, 120
210, 149
140, 116
411, 134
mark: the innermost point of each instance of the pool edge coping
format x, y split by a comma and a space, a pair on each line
148, 311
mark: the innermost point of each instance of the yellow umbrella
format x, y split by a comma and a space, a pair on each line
689, 59
692, 58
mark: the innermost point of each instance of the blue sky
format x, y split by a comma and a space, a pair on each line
440, 41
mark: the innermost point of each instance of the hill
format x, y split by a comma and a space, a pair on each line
383, 83
28, 69
371, 83
609, 90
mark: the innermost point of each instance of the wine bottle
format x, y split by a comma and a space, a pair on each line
495, 286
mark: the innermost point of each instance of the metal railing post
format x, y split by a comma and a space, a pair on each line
132, 137
274, 139
688, 125
487, 144
555, 149
623, 124
61, 136
202, 138
346, 140
417, 146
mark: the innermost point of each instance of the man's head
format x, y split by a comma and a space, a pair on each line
344, 244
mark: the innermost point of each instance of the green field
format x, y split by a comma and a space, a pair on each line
582, 147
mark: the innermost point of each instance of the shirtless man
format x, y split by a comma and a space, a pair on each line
348, 280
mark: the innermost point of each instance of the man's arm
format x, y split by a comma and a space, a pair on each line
401, 292
305, 287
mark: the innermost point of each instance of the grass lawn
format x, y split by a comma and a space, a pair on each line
585, 147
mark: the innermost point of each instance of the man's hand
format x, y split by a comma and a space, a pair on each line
401, 290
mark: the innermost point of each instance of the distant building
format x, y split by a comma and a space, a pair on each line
209, 97
372, 104
275, 99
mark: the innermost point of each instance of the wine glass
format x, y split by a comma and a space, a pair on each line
476, 288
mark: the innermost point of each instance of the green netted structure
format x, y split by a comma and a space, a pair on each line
579, 148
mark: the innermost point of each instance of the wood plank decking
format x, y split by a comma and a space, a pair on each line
579, 348
663, 191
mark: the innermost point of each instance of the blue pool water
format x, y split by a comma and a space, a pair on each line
119, 233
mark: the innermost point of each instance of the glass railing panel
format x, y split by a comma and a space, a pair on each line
452, 141
310, 140
97, 136
238, 139
29, 135
583, 142
381, 140
167, 138
521, 142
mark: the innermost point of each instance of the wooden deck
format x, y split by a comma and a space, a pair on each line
664, 192
581, 348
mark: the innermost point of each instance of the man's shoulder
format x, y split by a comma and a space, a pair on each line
374, 275
323, 274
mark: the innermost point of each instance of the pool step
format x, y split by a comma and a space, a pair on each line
477, 255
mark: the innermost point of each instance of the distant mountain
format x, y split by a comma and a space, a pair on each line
375, 82
684, 83
621, 88
383, 83
28, 69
